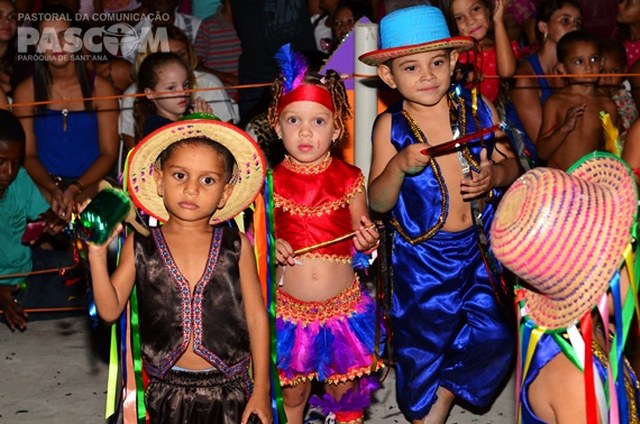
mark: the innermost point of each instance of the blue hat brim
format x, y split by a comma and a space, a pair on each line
378, 57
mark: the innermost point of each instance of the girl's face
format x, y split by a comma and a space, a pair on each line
172, 78
564, 20
421, 78
628, 12
57, 49
307, 130
343, 22
8, 21
472, 18
192, 183
613, 64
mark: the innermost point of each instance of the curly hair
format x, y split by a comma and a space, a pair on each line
334, 85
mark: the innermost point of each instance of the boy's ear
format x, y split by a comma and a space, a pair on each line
385, 74
228, 189
149, 93
453, 59
157, 175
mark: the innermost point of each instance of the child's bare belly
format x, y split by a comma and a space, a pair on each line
191, 361
459, 213
315, 279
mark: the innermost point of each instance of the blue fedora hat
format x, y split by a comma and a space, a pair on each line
413, 30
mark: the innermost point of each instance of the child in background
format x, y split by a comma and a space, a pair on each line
450, 337
209, 87
571, 125
497, 54
20, 200
325, 318
532, 89
615, 62
629, 29
203, 325
558, 304
160, 75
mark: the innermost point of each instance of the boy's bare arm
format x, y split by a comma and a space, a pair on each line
389, 167
553, 133
111, 293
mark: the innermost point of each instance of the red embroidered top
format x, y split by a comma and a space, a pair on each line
312, 205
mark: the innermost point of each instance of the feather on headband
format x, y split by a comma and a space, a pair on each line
293, 68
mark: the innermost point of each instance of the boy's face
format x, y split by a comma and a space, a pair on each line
192, 183
613, 64
583, 58
422, 78
11, 157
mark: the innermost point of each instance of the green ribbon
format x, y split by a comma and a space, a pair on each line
112, 376
271, 297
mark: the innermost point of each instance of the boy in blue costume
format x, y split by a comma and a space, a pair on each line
451, 339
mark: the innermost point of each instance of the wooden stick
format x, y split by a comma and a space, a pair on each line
42, 271
441, 148
328, 242
59, 309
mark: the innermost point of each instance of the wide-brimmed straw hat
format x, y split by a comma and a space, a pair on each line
248, 174
564, 235
413, 30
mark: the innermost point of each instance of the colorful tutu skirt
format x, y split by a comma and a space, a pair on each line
331, 341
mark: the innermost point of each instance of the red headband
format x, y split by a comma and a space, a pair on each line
307, 92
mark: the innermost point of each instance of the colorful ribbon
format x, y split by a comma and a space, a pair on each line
265, 244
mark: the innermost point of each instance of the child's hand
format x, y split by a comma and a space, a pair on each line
53, 223
413, 158
200, 106
258, 404
574, 113
96, 250
480, 182
498, 11
366, 236
14, 315
284, 253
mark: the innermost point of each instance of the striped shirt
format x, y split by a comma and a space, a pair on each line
218, 44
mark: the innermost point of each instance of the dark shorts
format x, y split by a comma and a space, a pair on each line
197, 397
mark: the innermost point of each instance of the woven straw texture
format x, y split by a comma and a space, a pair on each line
564, 235
248, 177
413, 30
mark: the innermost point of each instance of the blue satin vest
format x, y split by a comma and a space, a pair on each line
423, 202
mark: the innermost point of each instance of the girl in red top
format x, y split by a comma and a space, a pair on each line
325, 319
496, 55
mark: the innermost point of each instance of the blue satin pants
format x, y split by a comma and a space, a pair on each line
448, 329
